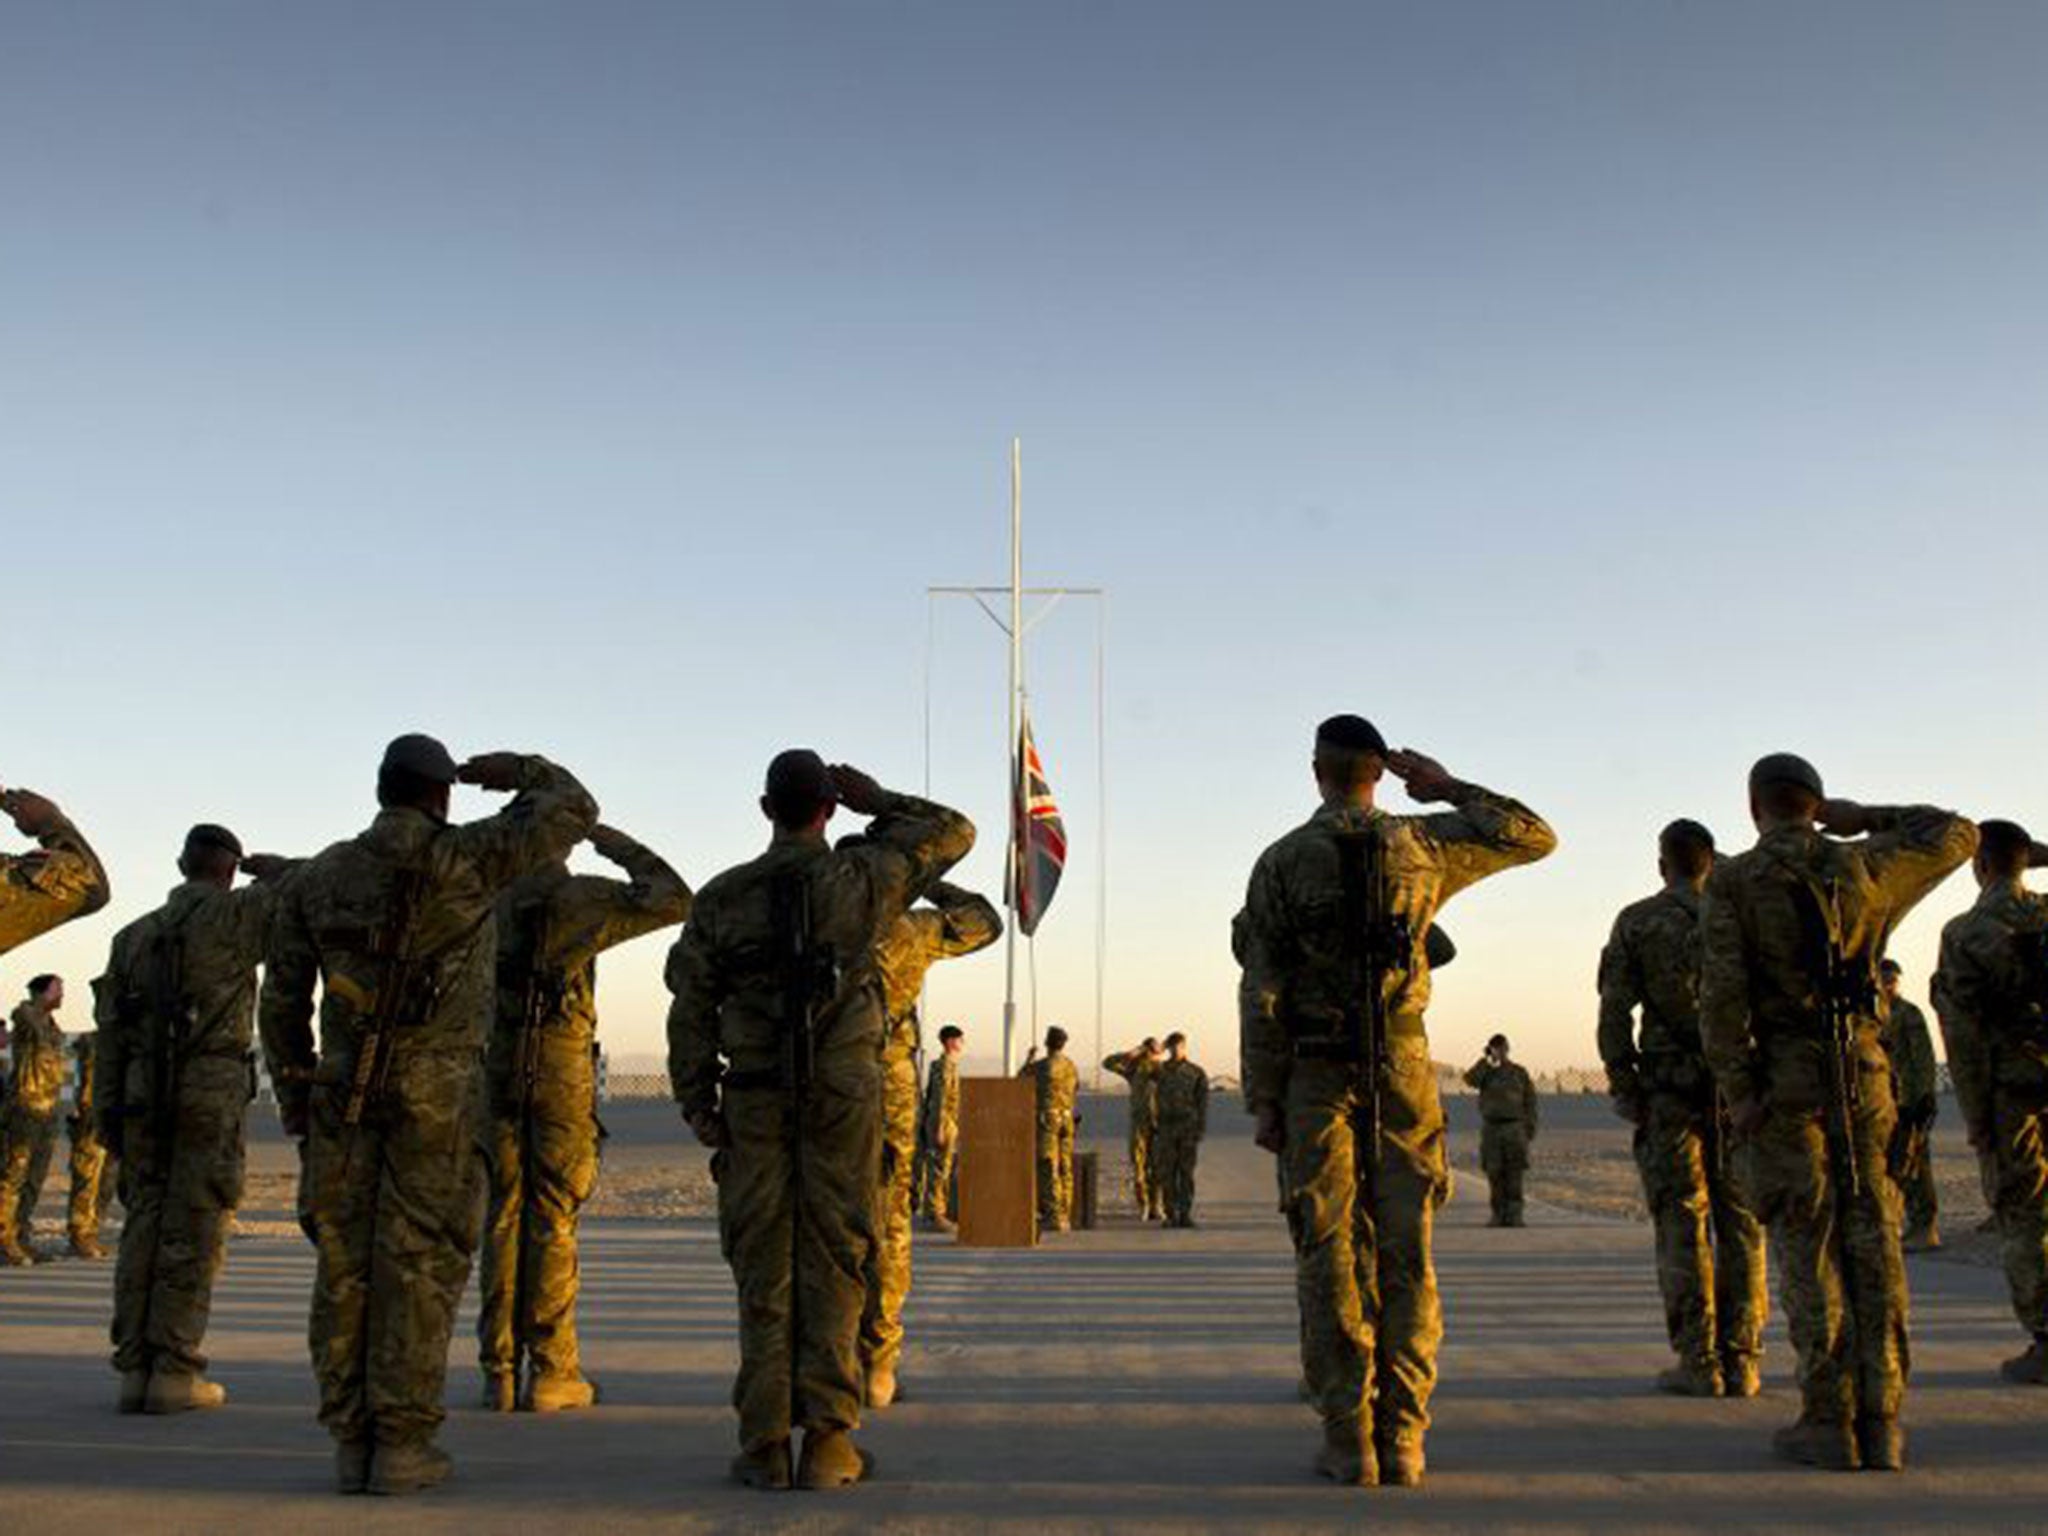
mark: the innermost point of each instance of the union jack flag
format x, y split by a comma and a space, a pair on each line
1038, 840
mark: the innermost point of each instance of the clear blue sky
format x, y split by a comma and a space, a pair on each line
1595, 395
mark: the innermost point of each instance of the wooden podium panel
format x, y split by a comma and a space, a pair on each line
998, 1163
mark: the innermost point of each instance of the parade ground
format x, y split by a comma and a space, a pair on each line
1125, 1377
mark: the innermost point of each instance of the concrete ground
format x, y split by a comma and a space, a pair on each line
1109, 1379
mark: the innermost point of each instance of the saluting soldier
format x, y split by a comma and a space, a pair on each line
1508, 1121
1139, 1067
29, 1131
64, 879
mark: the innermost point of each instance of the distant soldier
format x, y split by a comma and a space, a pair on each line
938, 1131
1992, 996
1791, 933
1362, 1198
1710, 1245
1508, 1121
396, 926
38, 891
775, 1039
174, 1077
92, 1185
956, 923
1139, 1066
1915, 1086
541, 1130
1057, 1082
1183, 1122
37, 1046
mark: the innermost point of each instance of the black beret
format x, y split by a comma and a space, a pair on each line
211, 835
798, 777
1786, 768
422, 756
1351, 733
1686, 830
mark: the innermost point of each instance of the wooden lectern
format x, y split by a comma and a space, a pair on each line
998, 1163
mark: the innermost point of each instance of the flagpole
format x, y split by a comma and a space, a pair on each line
1015, 747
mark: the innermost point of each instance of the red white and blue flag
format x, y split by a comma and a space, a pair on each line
1038, 840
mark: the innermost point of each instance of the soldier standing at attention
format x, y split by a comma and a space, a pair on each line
1710, 1246
1361, 1199
1508, 1120
396, 927
938, 1131
37, 1046
956, 923
1992, 996
1915, 1087
174, 1073
1183, 1122
62, 880
1057, 1082
775, 1039
1139, 1066
541, 1132
92, 1185
1791, 933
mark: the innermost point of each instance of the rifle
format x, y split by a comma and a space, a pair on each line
809, 976
373, 1037
1376, 942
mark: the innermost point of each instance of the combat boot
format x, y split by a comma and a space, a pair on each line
558, 1394
181, 1392
410, 1468
1922, 1240
85, 1246
880, 1390
766, 1469
1828, 1443
831, 1460
13, 1254
1741, 1375
501, 1391
1881, 1443
1347, 1456
943, 1224
1690, 1378
2031, 1368
1402, 1462
134, 1389
352, 1466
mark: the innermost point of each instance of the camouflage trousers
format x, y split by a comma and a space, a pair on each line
1364, 1278
24, 1165
1912, 1165
1841, 1274
887, 1273
2020, 1151
1504, 1158
394, 1205
935, 1183
1710, 1245
181, 1181
1173, 1179
1056, 1172
542, 1164
92, 1191
796, 1232
1145, 1189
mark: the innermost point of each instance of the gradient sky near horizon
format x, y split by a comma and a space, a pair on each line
1596, 395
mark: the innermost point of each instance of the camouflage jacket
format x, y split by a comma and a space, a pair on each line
728, 1013
1057, 1081
37, 1044
84, 1052
1761, 1003
955, 923
39, 891
1506, 1093
1183, 1097
1652, 964
552, 926
1142, 1073
338, 913
1911, 1049
1988, 994
1292, 938
939, 1118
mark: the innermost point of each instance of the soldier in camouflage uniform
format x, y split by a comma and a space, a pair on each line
176, 1010
540, 1129
1362, 1215
1775, 923
397, 927
956, 923
1915, 1086
1057, 1082
782, 941
1710, 1245
63, 880
1508, 1122
91, 1186
31, 1118
1183, 1121
1139, 1066
938, 1131
1992, 997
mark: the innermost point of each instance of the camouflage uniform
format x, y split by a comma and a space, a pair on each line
1183, 1121
1915, 1085
1057, 1082
956, 923
1710, 1246
31, 1126
797, 1231
1992, 996
1508, 1120
175, 1095
1142, 1073
39, 891
1362, 1216
938, 1134
1760, 1023
540, 1134
395, 1197
91, 1189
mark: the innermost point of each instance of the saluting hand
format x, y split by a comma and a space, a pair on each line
609, 843
498, 772
265, 866
33, 814
857, 791
1843, 818
1424, 778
